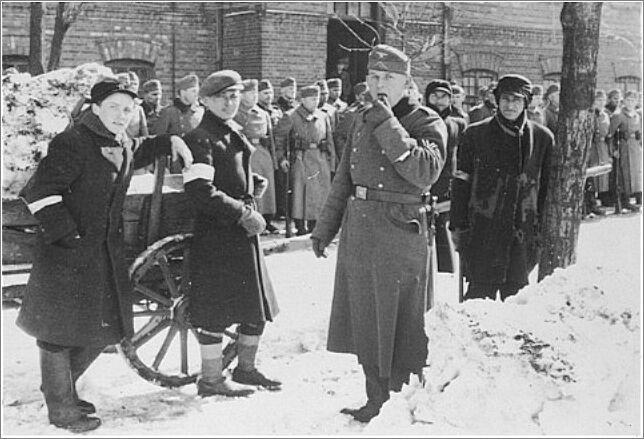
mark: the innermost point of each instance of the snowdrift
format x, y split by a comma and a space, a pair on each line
562, 357
34, 110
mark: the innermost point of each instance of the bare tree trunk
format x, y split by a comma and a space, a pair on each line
446, 72
580, 23
66, 15
35, 38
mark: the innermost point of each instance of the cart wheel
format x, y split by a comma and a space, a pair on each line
164, 349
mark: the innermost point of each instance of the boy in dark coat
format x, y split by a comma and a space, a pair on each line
78, 295
499, 192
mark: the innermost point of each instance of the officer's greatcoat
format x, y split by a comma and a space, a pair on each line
627, 128
309, 139
230, 282
382, 269
82, 296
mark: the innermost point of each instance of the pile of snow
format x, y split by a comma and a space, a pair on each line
35, 109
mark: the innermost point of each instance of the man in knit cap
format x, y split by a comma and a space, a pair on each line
305, 148
184, 114
499, 192
152, 94
288, 90
335, 90
551, 111
257, 127
394, 153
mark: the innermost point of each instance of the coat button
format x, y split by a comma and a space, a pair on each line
382, 168
353, 166
380, 186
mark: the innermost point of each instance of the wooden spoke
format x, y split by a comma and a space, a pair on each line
172, 332
151, 313
184, 351
162, 259
153, 295
149, 330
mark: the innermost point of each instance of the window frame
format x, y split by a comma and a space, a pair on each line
624, 81
472, 90
144, 69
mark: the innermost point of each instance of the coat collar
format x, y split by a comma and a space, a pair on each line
214, 123
304, 113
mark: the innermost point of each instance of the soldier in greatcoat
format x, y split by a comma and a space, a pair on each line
288, 91
335, 90
258, 129
230, 282
78, 297
598, 154
324, 105
304, 135
498, 194
377, 202
342, 131
152, 94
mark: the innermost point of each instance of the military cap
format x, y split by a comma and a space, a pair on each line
360, 88
287, 82
614, 92
457, 89
389, 59
516, 85
322, 85
600, 94
188, 82
151, 85
309, 90
265, 84
108, 86
553, 88
250, 84
438, 85
334, 83
220, 81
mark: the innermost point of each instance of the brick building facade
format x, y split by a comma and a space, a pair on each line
304, 39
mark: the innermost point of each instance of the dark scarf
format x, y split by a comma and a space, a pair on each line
111, 147
491, 105
404, 106
181, 106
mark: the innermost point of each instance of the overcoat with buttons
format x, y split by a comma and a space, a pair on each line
627, 128
81, 296
309, 139
230, 282
382, 269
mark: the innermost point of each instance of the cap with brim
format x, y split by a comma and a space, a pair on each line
335, 83
287, 82
389, 59
515, 85
109, 86
151, 86
438, 85
322, 85
552, 88
264, 84
309, 91
220, 81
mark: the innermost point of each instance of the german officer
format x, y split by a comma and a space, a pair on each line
230, 283
393, 156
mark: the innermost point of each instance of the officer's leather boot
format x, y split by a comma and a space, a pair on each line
80, 359
377, 394
57, 387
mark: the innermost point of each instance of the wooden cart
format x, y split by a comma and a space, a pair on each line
158, 222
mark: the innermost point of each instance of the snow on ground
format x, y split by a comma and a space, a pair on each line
563, 357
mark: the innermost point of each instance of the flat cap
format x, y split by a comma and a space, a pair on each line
516, 85
309, 91
322, 85
360, 88
334, 83
108, 86
438, 85
552, 88
188, 82
265, 84
220, 81
389, 59
151, 85
287, 82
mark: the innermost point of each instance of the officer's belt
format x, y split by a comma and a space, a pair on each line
369, 194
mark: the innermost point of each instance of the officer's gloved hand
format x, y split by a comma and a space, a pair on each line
285, 165
259, 185
252, 221
71, 240
318, 247
460, 238
379, 112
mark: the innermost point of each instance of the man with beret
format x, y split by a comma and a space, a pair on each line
499, 193
184, 114
335, 90
288, 90
305, 149
152, 94
258, 128
360, 91
230, 282
487, 108
534, 111
438, 97
78, 298
395, 152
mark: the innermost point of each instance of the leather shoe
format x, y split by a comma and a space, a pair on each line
221, 387
364, 414
255, 378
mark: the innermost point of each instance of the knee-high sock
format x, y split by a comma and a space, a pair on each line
247, 351
211, 362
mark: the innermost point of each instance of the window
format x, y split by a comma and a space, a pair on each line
18, 62
472, 81
627, 83
359, 9
143, 69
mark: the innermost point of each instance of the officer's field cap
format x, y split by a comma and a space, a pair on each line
249, 84
108, 86
265, 84
335, 83
188, 82
438, 85
287, 82
309, 91
389, 59
221, 81
516, 85
151, 86
322, 85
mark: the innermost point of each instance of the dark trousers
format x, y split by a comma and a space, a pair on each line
478, 290
377, 388
281, 193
